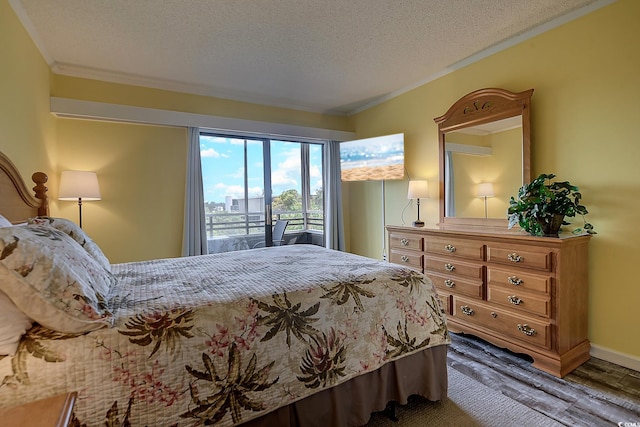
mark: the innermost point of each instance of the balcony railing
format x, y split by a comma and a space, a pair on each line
239, 224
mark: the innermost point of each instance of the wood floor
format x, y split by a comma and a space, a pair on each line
598, 393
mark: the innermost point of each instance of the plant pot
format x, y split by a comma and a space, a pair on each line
550, 228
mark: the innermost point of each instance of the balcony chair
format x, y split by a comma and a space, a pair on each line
277, 234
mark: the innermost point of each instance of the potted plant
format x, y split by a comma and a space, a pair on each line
542, 205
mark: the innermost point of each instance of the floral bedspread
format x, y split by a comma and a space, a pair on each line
221, 339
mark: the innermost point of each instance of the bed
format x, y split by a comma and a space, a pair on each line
291, 336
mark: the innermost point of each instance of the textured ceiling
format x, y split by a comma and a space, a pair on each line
315, 55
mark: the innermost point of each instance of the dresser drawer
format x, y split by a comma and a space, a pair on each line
458, 248
407, 258
452, 267
406, 241
459, 286
520, 302
499, 321
519, 256
517, 280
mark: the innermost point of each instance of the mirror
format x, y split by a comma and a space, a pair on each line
484, 141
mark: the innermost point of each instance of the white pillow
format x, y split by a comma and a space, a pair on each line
4, 222
13, 324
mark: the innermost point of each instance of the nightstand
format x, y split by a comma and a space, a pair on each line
52, 412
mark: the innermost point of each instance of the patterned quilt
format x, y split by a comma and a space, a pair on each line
221, 339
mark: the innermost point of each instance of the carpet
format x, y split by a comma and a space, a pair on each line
469, 404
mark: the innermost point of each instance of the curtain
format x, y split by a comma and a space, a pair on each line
194, 237
334, 224
449, 196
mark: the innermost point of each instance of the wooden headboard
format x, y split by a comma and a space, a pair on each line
17, 203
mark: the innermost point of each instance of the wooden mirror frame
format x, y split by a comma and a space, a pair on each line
476, 108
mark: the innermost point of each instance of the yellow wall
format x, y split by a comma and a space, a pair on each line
507, 180
585, 111
27, 130
141, 170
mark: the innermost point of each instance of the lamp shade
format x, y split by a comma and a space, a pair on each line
485, 189
418, 190
76, 185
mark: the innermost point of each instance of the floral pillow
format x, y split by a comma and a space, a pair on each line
76, 234
53, 280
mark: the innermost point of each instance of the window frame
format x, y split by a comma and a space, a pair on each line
305, 162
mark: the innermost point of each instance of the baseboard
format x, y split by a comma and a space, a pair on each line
622, 359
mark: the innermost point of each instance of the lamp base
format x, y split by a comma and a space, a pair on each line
418, 223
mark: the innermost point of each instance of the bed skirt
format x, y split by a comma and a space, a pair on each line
353, 402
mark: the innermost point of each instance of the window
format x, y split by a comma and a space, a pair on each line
244, 178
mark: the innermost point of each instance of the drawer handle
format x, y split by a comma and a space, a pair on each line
449, 283
449, 267
514, 257
514, 280
404, 258
404, 242
527, 330
494, 314
450, 248
467, 310
514, 300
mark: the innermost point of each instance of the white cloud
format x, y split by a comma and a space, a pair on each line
282, 178
210, 152
314, 171
239, 173
237, 191
240, 141
287, 172
255, 191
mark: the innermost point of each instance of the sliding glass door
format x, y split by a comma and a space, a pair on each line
250, 182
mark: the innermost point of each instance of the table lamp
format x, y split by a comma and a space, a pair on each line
418, 190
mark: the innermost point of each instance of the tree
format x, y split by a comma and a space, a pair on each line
317, 200
289, 200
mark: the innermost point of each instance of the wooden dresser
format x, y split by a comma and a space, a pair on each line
524, 293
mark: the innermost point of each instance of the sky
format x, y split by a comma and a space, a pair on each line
372, 152
223, 167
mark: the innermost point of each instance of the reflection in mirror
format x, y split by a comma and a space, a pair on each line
484, 137
483, 154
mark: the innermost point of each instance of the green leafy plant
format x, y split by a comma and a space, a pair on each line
542, 205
